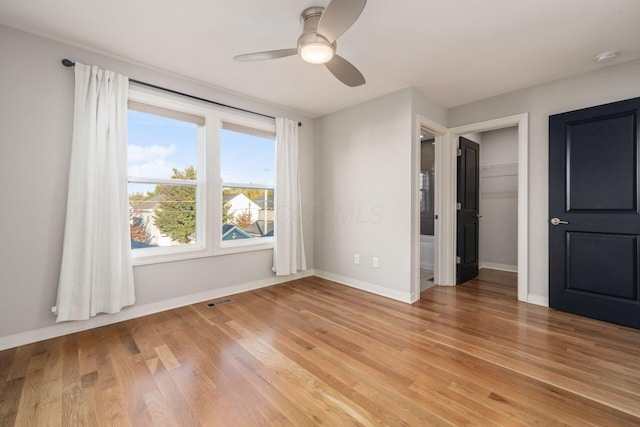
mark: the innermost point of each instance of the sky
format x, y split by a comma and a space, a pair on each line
157, 144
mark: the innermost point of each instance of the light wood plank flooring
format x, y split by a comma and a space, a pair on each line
311, 352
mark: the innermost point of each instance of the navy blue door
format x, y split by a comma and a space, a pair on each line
468, 209
594, 221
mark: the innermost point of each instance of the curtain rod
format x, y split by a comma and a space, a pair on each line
69, 63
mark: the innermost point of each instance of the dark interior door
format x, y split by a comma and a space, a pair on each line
594, 226
467, 208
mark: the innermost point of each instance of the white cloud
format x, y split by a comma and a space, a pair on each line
152, 169
138, 153
150, 161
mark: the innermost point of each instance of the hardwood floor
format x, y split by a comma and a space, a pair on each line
312, 352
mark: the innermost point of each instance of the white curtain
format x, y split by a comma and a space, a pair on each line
288, 254
96, 274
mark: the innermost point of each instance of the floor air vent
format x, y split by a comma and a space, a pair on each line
218, 303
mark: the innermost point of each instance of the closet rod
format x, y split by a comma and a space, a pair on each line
69, 63
499, 165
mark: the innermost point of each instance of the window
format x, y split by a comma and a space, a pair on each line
201, 181
247, 160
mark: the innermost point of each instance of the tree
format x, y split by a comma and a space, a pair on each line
135, 198
242, 220
226, 216
176, 214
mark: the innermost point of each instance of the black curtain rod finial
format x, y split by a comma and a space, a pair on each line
69, 63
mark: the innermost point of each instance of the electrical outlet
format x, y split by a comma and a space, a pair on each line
54, 309
376, 262
356, 258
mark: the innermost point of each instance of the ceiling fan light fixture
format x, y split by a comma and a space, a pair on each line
321, 27
317, 52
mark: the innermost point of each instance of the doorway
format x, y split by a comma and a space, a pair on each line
427, 208
445, 201
487, 226
519, 121
433, 246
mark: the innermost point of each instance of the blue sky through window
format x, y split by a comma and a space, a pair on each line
158, 144
246, 158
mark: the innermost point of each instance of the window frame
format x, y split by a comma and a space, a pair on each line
221, 247
209, 185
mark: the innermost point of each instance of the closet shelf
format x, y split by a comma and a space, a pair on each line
499, 194
499, 170
500, 165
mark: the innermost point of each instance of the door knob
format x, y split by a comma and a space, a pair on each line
558, 221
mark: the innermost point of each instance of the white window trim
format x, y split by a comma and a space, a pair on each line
208, 193
221, 247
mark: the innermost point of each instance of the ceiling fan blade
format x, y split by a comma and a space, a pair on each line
338, 16
345, 72
269, 54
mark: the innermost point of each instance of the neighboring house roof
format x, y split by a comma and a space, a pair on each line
138, 245
232, 232
257, 228
239, 201
260, 202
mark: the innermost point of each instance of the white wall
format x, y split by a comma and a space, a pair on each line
36, 113
424, 106
499, 199
613, 83
364, 183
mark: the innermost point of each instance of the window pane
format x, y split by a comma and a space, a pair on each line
161, 147
162, 215
247, 213
246, 158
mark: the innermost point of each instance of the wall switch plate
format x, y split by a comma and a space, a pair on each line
376, 262
356, 258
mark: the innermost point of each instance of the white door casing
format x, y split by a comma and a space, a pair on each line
445, 201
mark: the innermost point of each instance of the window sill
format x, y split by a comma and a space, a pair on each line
239, 246
158, 256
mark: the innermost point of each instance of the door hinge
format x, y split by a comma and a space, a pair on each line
458, 260
458, 206
459, 152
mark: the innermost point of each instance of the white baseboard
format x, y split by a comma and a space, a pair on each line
426, 266
66, 328
501, 267
538, 300
406, 297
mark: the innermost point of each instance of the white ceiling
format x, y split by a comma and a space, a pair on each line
455, 51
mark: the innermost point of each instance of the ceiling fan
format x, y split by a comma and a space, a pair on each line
317, 44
